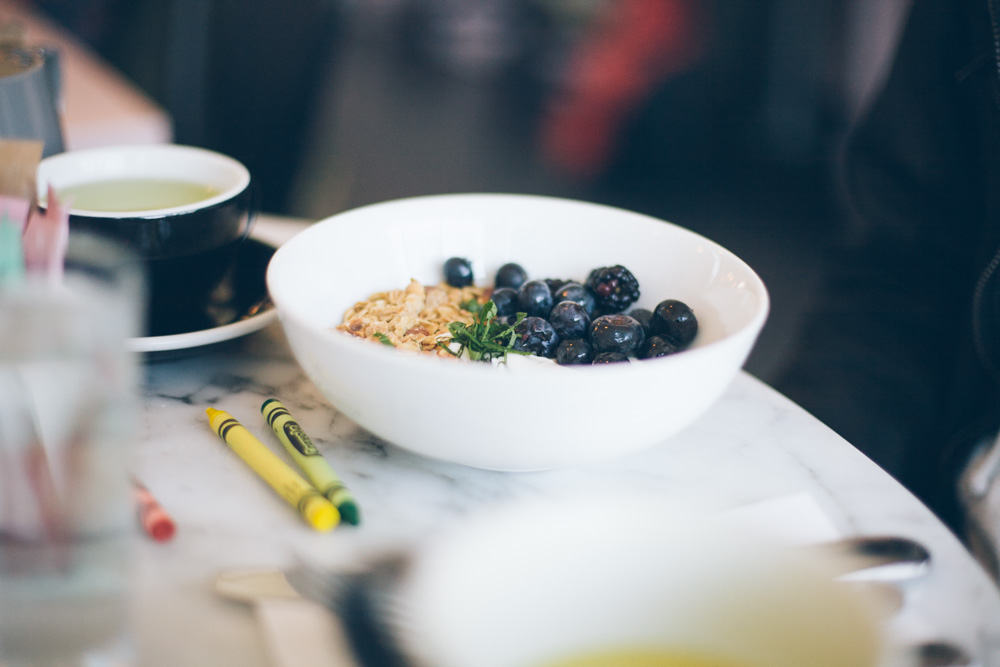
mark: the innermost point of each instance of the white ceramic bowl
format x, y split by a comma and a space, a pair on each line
628, 572
533, 418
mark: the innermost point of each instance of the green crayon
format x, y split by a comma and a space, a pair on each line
305, 454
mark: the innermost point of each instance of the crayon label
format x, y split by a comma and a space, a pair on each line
299, 439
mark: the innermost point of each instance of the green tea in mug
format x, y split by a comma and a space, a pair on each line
135, 194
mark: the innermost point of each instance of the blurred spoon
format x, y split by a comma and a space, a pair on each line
942, 654
365, 603
877, 557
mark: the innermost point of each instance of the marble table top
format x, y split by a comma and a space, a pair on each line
753, 445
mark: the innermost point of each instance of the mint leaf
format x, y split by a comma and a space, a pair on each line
485, 338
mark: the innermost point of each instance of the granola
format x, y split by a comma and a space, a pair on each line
414, 318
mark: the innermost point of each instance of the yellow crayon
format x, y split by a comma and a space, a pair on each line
300, 494
305, 454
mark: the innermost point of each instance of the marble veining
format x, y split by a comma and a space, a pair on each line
752, 445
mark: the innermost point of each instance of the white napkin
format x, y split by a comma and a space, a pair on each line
795, 518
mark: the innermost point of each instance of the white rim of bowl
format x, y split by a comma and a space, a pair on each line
147, 152
378, 352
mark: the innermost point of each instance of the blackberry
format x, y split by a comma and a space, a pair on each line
614, 287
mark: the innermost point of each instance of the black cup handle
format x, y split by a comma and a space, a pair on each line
253, 208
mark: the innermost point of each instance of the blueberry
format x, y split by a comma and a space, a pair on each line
505, 300
655, 346
511, 275
569, 319
610, 358
458, 272
555, 284
616, 333
536, 335
577, 293
535, 298
643, 315
574, 351
674, 321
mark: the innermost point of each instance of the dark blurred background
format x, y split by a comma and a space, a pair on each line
724, 116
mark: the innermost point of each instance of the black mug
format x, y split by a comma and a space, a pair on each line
184, 211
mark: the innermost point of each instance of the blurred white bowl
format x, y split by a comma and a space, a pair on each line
534, 584
534, 417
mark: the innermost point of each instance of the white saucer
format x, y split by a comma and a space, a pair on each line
248, 293
204, 337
